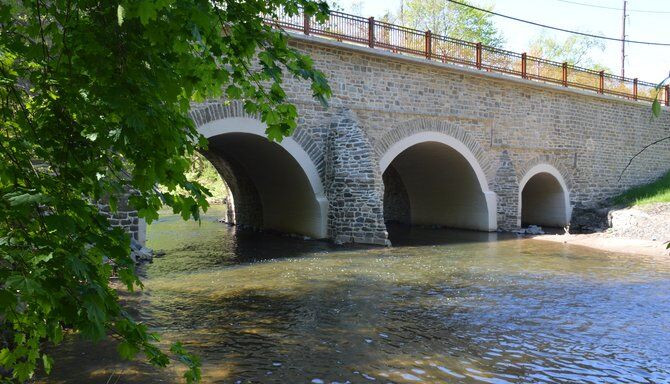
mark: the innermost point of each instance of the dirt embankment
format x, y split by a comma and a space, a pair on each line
642, 230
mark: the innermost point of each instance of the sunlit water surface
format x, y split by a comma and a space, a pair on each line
439, 307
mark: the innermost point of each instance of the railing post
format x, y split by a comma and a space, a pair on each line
667, 95
429, 44
371, 32
523, 65
305, 23
565, 74
635, 88
601, 86
479, 56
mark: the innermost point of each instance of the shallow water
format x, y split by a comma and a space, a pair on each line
440, 306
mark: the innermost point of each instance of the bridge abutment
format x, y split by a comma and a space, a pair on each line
125, 217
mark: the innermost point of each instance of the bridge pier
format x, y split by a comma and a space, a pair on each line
507, 189
355, 187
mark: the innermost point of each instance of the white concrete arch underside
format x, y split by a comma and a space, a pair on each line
552, 207
318, 226
487, 221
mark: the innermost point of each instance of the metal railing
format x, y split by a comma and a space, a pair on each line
403, 40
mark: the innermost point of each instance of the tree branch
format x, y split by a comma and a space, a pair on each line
639, 153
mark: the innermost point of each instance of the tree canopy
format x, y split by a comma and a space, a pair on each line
575, 50
446, 18
94, 102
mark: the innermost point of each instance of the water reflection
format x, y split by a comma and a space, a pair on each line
268, 309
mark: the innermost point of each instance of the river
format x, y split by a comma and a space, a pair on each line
439, 306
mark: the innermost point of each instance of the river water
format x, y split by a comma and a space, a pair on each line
440, 306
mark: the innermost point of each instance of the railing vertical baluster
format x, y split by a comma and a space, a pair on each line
565, 74
429, 44
305, 23
667, 95
523, 65
479, 56
635, 88
371, 32
601, 86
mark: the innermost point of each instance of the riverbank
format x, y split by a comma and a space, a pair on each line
610, 243
642, 229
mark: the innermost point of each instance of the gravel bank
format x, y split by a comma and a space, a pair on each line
642, 230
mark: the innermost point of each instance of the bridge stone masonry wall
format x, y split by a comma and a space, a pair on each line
507, 128
125, 217
355, 186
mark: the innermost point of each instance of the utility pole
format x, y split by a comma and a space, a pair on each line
623, 42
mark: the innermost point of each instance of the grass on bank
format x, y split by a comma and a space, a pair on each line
656, 192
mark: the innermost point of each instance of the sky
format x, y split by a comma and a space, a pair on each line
648, 63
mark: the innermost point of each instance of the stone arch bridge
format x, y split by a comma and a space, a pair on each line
424, 143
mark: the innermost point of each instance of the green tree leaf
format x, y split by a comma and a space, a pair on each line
128, 350
16, 200
47, 363
656, 108
146, 10
6, 357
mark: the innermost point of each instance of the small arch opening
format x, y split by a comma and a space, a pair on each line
544, 201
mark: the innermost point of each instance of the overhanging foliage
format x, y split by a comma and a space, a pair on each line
94, 100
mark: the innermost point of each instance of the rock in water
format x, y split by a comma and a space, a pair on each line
534, 230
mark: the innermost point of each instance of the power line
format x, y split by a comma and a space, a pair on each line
560, 29
612, 8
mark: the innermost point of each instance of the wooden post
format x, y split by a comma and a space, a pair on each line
601, 86
565, 74
635, 88
667, 95
371, 32
429, 45
479, 56
305, 23
523, 65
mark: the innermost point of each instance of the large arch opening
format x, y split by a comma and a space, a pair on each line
433, 179
544, 198
274, 186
